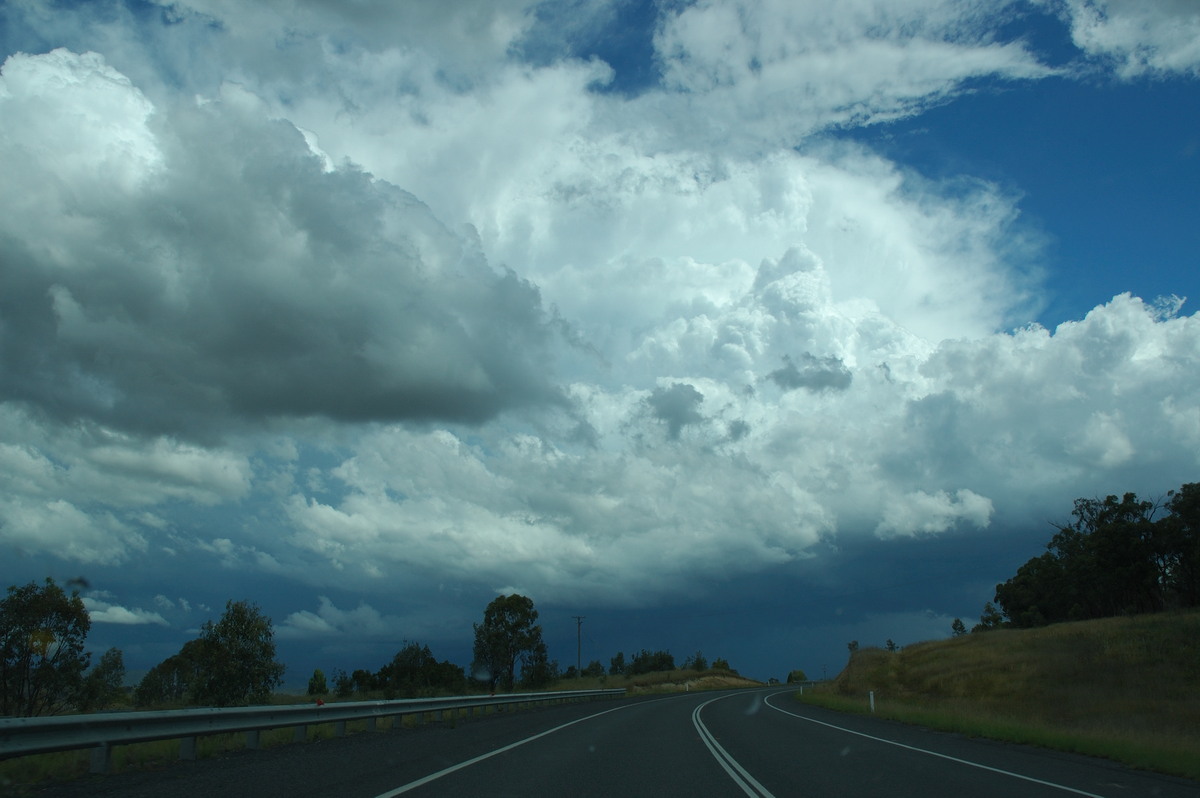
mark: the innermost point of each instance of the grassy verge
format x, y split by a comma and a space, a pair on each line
1127, 689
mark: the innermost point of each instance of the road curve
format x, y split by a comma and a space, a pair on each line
758, 743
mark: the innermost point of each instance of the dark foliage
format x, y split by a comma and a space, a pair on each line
41, 649
1114, 558
508, 642
231, 663
649, 662
414, 672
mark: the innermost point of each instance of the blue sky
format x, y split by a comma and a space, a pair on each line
744, 328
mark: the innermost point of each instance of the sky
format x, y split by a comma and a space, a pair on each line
742, 328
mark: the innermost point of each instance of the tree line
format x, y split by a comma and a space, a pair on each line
1117, 556
45, 670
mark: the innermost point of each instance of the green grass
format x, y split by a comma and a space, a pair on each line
1123, 688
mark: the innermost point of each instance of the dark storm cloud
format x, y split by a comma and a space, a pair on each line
677, 406
813, 373
235, 277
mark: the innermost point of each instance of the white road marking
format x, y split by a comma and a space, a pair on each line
933, 753
412, 785
736, 772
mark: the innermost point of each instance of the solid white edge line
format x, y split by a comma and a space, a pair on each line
412, 785
736, 772
1063, 787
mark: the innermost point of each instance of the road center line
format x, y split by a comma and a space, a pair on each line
740, 777
1062, 787
412, 785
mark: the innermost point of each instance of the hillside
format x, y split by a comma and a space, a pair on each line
1121, 687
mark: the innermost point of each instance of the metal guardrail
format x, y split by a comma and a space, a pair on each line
102, 730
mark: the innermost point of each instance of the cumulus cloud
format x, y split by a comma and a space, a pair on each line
684, 339
676, 406
362, 621
925, 513
225, 276
812, 373
104, 612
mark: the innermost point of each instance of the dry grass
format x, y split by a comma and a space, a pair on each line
1124, 688
676, 681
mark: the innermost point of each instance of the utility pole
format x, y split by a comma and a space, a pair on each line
578, 644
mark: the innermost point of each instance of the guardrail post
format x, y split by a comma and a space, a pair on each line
101, 758
299, 734
187, 748
253, 741
371, 723
872, 695
339, 729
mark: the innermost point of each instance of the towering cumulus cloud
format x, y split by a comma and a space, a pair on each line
366, 310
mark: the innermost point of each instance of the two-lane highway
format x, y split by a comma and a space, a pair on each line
752, 742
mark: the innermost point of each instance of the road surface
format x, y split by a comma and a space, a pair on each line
750, 742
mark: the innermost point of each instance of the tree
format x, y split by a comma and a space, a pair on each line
172, 680
104, 683
317, 684
231, 663
537, 669
508, 637
853, 646
890, 645
594, 669
720, 664
649, 662
414, 672
796, 677
363, 680
958, 628
616, 665
41, 642
237, 658
1111, 559
1178, 546
343, 685
991, 618
696, 662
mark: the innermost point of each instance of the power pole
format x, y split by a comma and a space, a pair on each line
578, 644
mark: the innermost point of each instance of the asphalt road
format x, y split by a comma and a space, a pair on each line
758, 743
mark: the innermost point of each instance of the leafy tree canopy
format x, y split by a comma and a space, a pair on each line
231, 663
42, 660
508, 639
1113, 558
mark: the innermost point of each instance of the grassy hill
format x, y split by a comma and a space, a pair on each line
1125, 688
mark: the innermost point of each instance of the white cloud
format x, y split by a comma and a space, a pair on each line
264, 303
1143, 37
105, 612
826, 63
58, 527
362, 621
925, 513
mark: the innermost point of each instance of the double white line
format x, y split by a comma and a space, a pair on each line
736, 772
